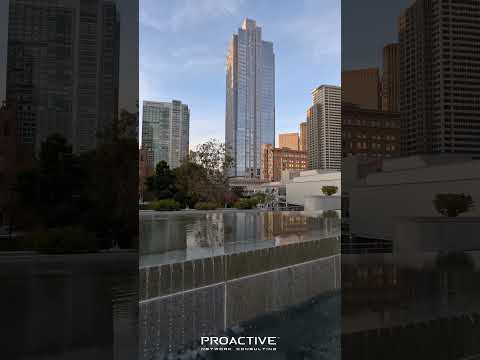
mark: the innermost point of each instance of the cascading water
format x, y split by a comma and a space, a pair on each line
231, 272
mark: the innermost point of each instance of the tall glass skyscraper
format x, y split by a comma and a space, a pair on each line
250, 98
165, 132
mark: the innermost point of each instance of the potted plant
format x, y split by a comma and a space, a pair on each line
452, 205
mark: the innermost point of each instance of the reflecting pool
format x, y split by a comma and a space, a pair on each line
169, 237
414, 305
76, 306
233, 272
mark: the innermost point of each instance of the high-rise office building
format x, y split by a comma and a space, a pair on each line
7, 158
391, 78
440, 77
63, 69
165, 132
361, 87
289, 140
250, 99
303, 136
324, 128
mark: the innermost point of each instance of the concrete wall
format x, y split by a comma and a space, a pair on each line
310, 183
322, 202
437, 234
376, 207
173, 324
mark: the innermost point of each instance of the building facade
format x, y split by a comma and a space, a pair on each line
306, 188
8, 158
250, 98
411, 183
362, 88
324, 128
303, 136
371, 133
165, 132
391, 78
289, 140
440, 77
276, 160
68, 49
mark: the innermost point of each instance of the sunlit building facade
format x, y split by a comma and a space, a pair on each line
276, 160
165, 132
361, 87
303, 136
324, 127
250, 99
289, 140
391, 78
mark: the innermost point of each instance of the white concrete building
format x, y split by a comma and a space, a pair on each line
404, 190
306, 190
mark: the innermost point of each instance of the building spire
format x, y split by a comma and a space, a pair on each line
248, 24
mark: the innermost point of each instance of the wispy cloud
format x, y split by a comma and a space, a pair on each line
185, 13
171, 64
318, 34
183, 45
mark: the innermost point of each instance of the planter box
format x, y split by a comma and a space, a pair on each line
321, 202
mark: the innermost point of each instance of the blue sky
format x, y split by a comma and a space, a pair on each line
183, 44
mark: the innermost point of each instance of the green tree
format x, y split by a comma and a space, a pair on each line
214, 156
452, 205
96, 191
113, 192
205, 173
191, 181
165, 205
329, 189
112, 185
53, 188
162, 182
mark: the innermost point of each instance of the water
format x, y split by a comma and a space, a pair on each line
257, 304
179, 236
70, 306
416, 305
253, 272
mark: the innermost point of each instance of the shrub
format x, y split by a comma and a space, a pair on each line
259, 198
245, 203
329, 189
206, 205
17, 243
165, 205
63, 240
331, 214
180, 197
452, 205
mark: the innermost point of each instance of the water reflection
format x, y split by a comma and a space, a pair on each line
180, 236
411, 305
69, 306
